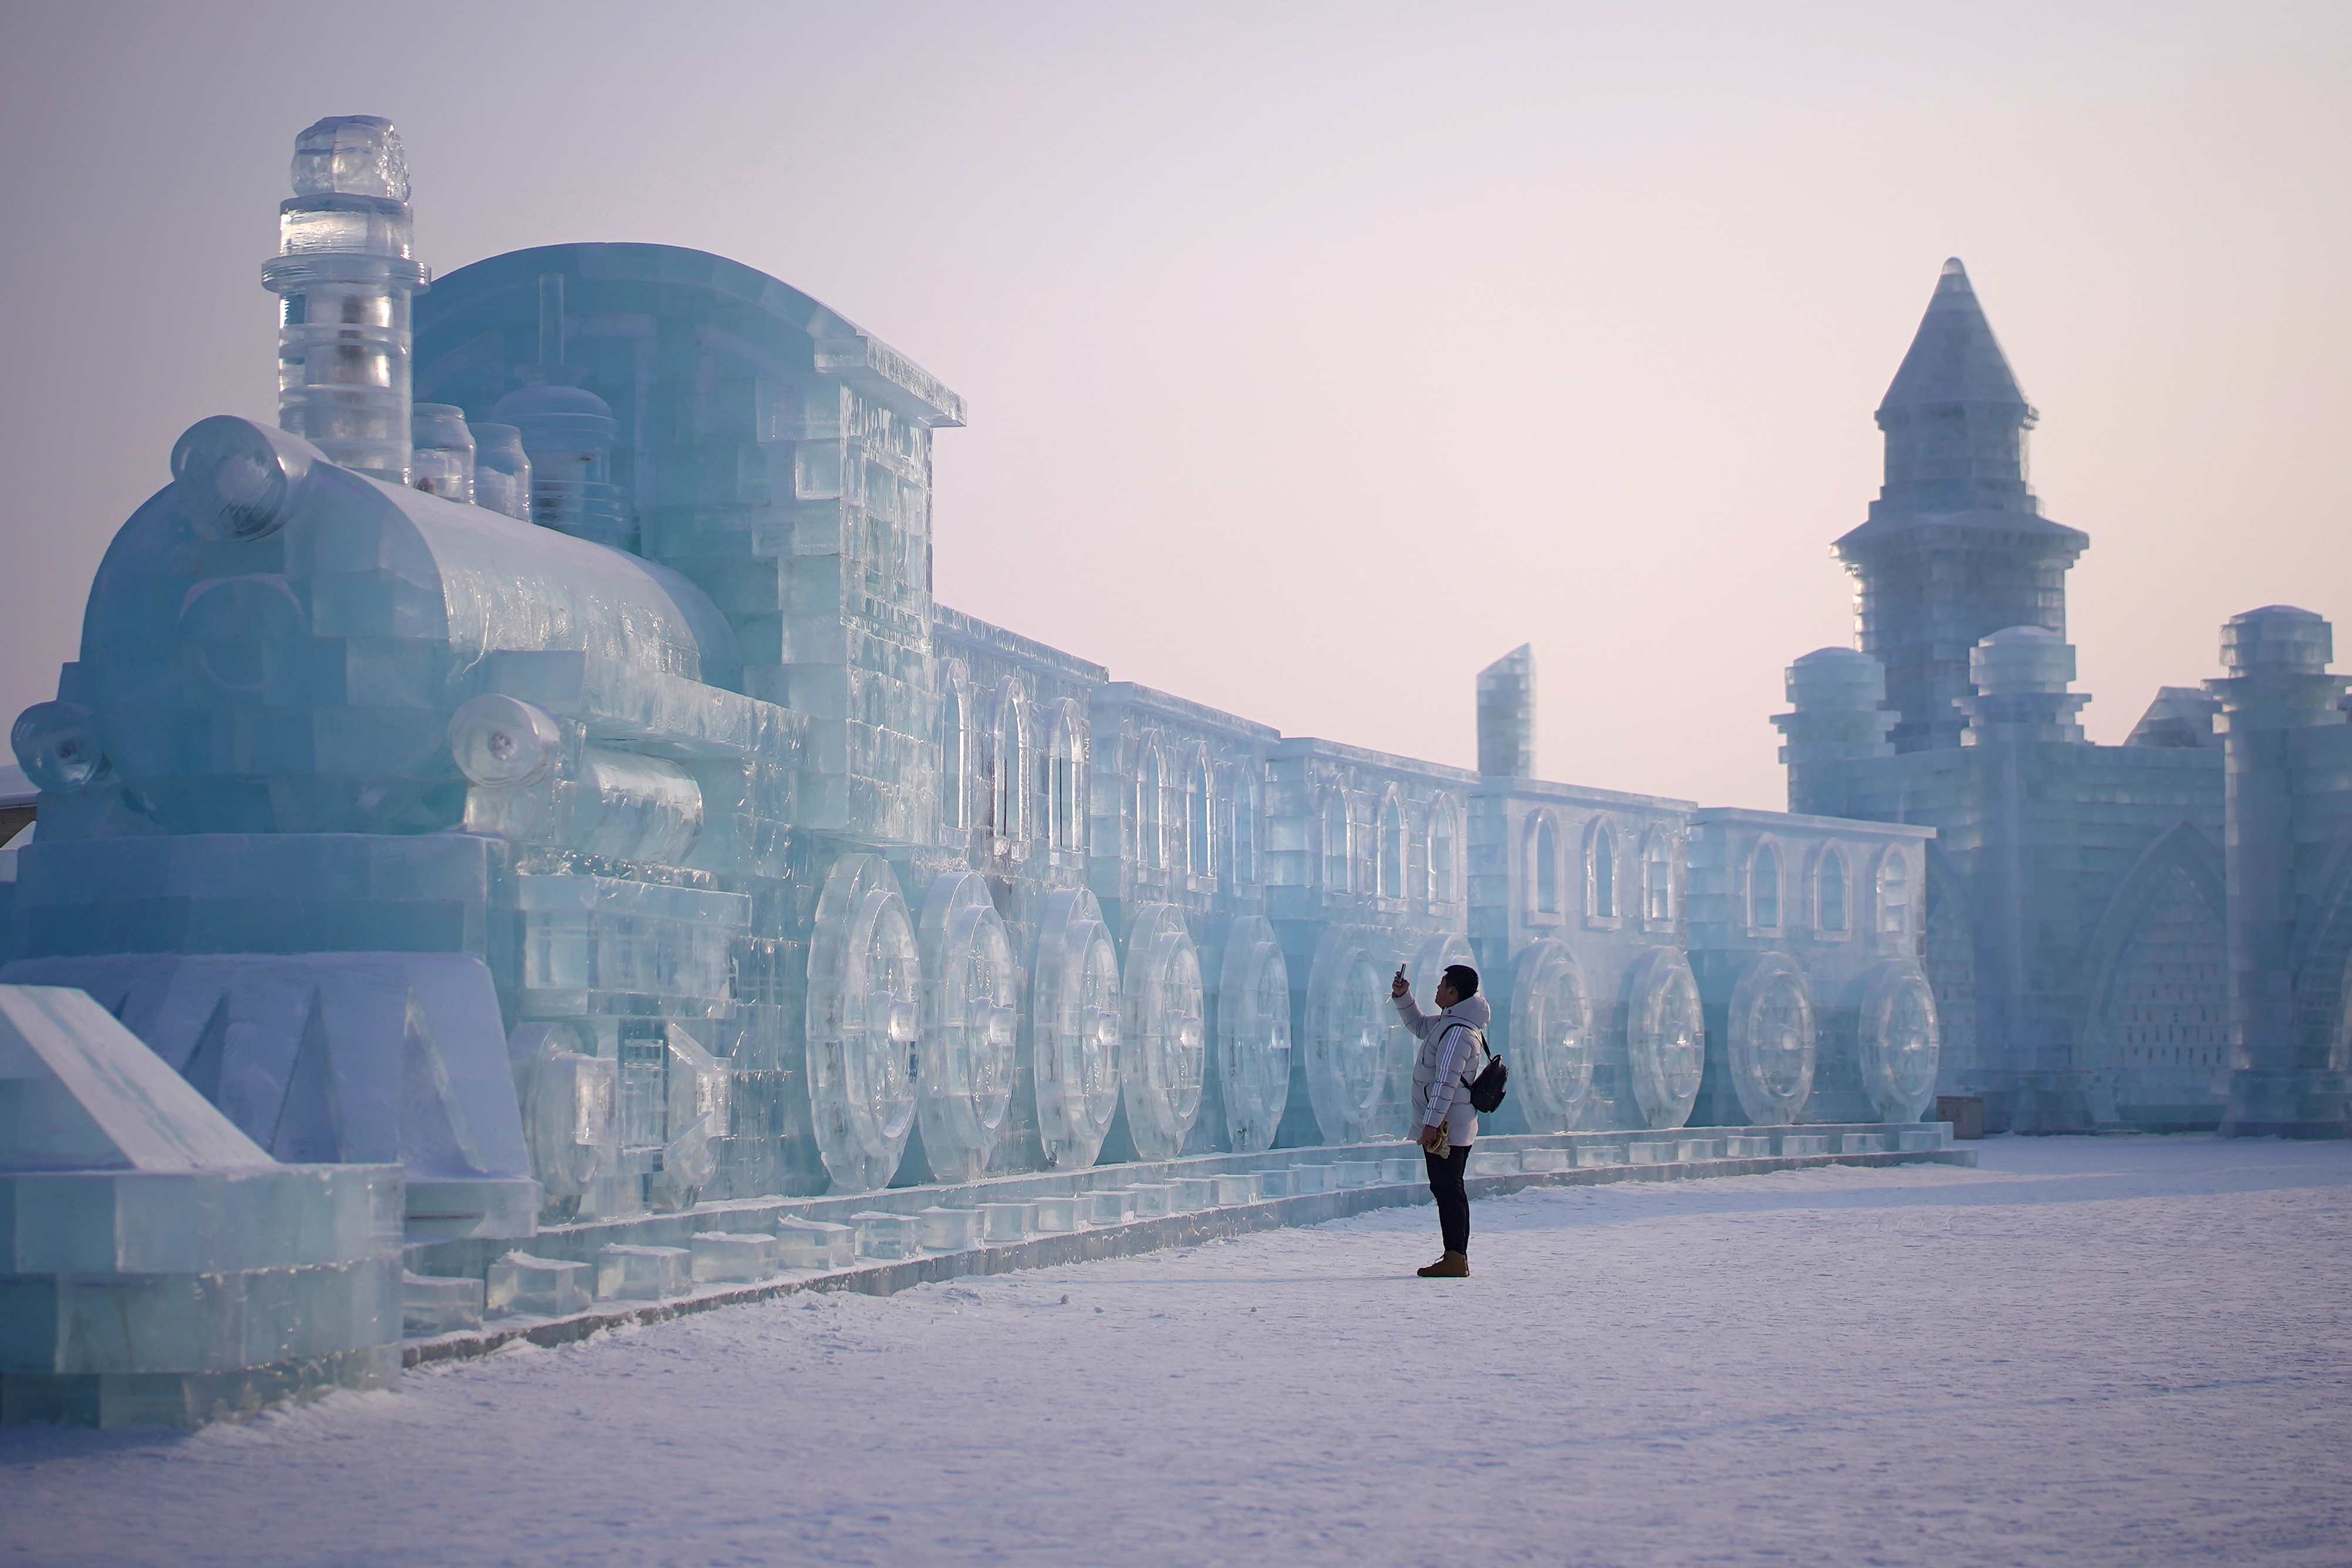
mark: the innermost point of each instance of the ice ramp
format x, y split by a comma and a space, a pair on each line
157, 1267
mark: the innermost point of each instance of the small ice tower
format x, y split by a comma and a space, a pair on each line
442, 463
344, 277
501, 470
569, 434
2020, 675
1507, 716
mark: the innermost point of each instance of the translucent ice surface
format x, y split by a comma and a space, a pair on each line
625, 1272
538, 1287
949, 1230
432, 1304
814, 1244
888, 1236
735, 1257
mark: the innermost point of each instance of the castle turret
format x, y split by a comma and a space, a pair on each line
1838, 695
1956, 548
2021, 674
2286, 1083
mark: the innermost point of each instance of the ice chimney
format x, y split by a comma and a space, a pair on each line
344, 276
1507, 716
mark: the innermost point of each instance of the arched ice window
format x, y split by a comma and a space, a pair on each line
1392, 848
955, 745
1831, 897
1334, 841
1242, 833
1764, 889
1894, 894
1009, 768
1199, 844
1658, 881
1544, 850
1150, 821
1601, 873
1066, 781
1441, 851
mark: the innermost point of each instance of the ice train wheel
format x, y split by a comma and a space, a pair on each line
1901, 1041
1075, 1006
970, 1020
1550, 1039
1665, 1037
862, 1020
1252, 1034
1772, 1040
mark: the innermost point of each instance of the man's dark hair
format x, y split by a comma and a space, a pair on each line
1463, 978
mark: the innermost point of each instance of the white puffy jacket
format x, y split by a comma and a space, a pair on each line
1449, 1055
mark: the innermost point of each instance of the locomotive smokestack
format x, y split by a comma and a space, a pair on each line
345, 277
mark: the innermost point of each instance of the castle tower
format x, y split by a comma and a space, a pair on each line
1956, 548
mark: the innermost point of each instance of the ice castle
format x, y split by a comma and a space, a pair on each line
563, 802
2150, 935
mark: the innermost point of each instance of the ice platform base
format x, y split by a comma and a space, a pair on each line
1041, 1220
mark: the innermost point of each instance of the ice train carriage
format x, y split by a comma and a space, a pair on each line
685, 847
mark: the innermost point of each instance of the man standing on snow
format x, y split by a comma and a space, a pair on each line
1442, 1120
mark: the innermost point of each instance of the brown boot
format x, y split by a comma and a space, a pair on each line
1449, 1266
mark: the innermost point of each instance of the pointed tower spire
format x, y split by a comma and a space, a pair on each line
1954, 418
1956, 548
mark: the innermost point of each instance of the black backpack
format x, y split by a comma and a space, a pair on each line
1486, 1090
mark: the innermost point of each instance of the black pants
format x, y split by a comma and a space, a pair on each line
1453, 1203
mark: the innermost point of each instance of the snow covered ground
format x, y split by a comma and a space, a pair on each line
2087, 1352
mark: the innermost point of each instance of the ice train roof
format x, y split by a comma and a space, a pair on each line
759, 315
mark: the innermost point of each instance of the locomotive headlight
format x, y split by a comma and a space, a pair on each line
239, 480
56, 746
502, 741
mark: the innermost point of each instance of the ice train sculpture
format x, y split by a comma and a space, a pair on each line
542, 764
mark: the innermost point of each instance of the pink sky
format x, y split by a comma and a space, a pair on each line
1317, 354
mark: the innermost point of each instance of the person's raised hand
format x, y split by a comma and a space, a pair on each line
1397, 988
